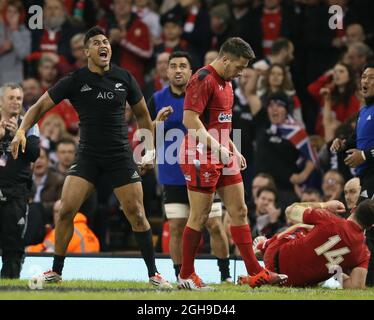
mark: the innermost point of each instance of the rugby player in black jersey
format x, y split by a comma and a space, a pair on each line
99, 93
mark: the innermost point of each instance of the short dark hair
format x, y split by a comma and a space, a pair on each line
368, 66
237, 47
94, 31
271, 182
312, 191
279, 45
181, 54
267, 189
65, 140
364, 213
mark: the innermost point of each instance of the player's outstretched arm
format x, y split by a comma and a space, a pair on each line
31, 117
356, 280
295, 211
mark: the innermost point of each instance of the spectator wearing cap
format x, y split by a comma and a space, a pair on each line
15, 43
172, 31
283, 146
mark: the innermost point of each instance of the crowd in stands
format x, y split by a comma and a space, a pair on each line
310, 70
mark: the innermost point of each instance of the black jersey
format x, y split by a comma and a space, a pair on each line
14, 172
100, 102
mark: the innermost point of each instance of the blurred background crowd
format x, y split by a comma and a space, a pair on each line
313, 70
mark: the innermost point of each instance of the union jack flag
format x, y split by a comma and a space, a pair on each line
296, 134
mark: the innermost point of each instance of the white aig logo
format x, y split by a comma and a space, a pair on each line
36, 20
336, 20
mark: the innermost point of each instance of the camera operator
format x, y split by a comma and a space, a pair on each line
15, 180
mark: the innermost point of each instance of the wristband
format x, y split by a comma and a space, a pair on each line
20, 132
369, 154
363, 155
149, 156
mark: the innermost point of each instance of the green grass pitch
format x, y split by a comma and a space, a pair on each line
101, 290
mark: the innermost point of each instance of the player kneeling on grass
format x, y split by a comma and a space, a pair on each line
310, 253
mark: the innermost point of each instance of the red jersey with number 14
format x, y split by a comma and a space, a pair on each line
333, 241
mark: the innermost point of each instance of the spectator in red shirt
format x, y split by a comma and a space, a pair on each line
276, 21
54, 39
130, 38
341, 83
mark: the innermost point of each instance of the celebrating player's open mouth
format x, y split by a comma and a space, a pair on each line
104, 55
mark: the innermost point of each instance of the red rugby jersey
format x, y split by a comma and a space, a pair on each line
333, 241
212, 97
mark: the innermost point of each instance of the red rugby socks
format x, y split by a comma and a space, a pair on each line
243, 239
190, 245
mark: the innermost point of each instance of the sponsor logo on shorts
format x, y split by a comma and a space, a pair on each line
206, 176
135, 175
21, 221
224, 117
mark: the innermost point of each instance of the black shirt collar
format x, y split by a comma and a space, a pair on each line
176, 95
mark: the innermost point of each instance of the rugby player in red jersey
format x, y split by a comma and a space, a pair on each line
310, 256
210, 161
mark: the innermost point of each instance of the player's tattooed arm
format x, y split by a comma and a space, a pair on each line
31, 117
